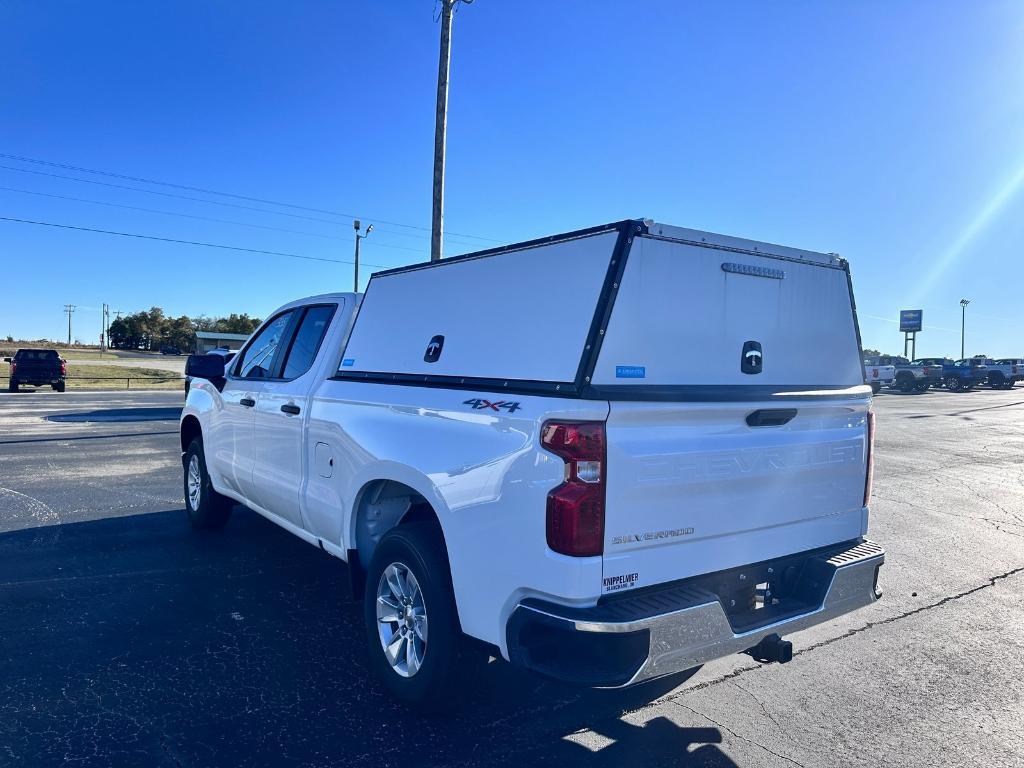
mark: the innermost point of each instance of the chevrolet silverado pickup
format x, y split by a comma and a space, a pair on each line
36, 368
910, 377
959, 376
604, 456
1005, 372
878, 374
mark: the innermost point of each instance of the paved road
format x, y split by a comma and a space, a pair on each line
125, 639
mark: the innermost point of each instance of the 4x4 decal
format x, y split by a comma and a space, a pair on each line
498, 405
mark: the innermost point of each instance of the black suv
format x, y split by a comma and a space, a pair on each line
37, 368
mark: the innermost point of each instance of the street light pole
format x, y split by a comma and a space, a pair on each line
357, 225
963, 325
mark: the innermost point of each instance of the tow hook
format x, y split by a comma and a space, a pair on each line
772, 648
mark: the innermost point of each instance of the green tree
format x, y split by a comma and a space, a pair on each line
234, 323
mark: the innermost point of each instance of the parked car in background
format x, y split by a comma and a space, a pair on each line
37, 368
170, 349
224, 352
1002, 374
956, 377
590, 504
912, 377
979, 371
878, 374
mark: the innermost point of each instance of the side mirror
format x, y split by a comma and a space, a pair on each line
7, 359
205, 367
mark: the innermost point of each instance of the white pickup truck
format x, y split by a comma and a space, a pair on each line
606, 455
878, 375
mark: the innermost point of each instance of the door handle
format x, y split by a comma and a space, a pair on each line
771, 417
248, 402
292, 409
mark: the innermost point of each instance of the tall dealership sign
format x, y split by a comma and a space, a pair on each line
910, 324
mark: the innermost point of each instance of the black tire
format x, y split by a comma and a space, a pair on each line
436, 684
922, 388
905, 384
876, 387
12, 386
996, 381
60, 386
210, 510
1009, 384
954, 384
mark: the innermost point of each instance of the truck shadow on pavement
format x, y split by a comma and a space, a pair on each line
118, 415
134, 641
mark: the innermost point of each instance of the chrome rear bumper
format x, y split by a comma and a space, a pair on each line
633, 638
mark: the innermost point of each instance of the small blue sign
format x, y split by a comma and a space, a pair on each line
348, 362
630, 371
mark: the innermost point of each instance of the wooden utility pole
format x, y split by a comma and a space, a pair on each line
440, 128
69, 309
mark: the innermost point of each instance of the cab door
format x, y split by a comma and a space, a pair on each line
281, 414
232, 424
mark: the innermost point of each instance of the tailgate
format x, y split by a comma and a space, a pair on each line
695, 488
738, 412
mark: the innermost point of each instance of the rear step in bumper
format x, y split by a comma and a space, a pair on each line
632, 639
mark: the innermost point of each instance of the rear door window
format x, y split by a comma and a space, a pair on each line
307, 340
259, 358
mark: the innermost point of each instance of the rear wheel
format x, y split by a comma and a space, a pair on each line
12, 386
59, 386
876, 387
205, 507
412, 629
905, 384
954, 384
996, 381
923, 387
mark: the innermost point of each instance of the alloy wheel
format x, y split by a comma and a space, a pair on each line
401, 619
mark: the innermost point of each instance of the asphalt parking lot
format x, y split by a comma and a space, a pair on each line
126, 639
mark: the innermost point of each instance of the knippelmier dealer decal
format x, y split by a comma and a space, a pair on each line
622, 581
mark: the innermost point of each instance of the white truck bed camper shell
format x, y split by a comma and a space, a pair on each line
618, 453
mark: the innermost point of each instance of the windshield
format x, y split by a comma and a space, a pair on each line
36, 354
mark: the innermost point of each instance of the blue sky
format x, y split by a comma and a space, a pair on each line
892, 133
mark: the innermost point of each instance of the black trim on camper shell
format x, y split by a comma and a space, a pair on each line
474, 383
574, 235
856, 321
629, 230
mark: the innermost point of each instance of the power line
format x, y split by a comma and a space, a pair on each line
203, 218
180, 242
206, 191
165, 194
194, 199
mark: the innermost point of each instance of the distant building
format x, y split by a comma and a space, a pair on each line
207, 340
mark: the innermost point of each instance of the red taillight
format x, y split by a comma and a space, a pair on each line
63, 368
869, 479
575, 509
14, 367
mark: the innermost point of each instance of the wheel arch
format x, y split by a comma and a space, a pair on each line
385, 502
189, 430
